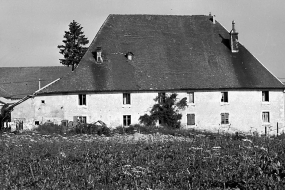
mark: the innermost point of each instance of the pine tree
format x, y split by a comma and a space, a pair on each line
73, 49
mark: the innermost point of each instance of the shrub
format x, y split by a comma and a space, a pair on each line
50, 128
124, 130
91, 129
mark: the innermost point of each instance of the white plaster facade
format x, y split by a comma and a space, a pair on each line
245, 109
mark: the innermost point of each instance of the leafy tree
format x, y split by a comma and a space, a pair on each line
165, 110
73, 49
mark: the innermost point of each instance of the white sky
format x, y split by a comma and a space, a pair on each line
31, 29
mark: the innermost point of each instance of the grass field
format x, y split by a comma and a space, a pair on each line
153, 161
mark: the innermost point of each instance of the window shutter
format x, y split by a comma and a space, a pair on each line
190, 119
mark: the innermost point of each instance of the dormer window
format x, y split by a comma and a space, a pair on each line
98, 55
129, 56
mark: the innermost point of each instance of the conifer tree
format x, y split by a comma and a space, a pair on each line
73, 48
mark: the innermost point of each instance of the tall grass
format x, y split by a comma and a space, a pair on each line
34, 162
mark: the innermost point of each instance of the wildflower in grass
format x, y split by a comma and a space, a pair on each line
62, 154
247, 140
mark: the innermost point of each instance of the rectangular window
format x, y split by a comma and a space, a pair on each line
82, 99
126, 98
224, 97
191, 97
190, 119
224, 118
161, 97
265, 96
126, 120
265, 117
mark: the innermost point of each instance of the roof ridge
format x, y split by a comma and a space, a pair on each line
152, 15
35, 67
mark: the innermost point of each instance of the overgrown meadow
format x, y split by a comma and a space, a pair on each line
141, 161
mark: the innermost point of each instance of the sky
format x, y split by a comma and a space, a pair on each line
31, 30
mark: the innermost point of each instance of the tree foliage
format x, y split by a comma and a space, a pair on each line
73, 48
166, 110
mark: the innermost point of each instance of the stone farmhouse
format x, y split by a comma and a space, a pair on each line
134, 57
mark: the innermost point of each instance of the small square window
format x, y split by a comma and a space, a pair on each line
43, 101
37, 122
82, 99
190, 119
126, 120
224, 118
191, 97
224, 97
265, 117
265, 96
126, 98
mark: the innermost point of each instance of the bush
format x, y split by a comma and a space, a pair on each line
50, 128
91, 129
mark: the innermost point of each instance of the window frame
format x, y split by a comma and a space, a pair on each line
82, 99
225, 97
191, 100
225, 118
191, 119
162, 98
80, 119
267, 117
127, 120
265, 96
126, 98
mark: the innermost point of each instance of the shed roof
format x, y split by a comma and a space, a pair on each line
17, 82
170, 52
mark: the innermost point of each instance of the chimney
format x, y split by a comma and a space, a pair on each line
39, 83
234, 39
233, 27
213, 17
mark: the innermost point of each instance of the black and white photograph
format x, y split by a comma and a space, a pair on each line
142, 94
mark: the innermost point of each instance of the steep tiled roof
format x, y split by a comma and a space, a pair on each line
170, 53
17, 82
